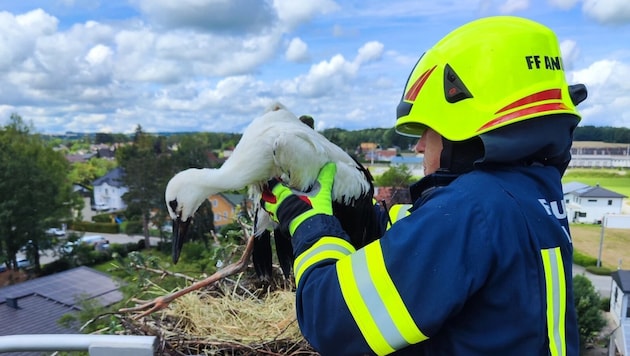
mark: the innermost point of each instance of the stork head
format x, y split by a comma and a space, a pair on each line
184, 194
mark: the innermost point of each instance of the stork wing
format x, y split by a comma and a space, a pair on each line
300, 155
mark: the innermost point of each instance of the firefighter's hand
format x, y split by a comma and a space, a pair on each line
290, 208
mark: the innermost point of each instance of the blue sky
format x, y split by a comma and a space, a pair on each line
215, 65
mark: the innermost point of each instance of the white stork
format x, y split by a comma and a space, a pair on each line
277, 144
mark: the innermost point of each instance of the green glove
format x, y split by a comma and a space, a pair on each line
290, 208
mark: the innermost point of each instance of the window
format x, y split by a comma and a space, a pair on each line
592, 200
215, 203
581, 214
610, 202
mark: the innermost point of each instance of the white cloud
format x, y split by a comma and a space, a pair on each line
608, 11
98, 55
512, 6
293, 13
608, 92
297, 51
563, 4
235, 16
369, 52
570, 53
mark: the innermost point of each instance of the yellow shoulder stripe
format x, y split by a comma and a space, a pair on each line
326, 248
374, 301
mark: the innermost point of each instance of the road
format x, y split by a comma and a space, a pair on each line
602, 284
48, 256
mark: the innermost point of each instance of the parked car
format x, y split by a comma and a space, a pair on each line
3, 267
55, 232
23, 263
95, 241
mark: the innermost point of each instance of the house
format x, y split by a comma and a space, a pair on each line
108, 191
412, 162
35, 306
620, 313
381, 155
595, 154
588, 204
225, 207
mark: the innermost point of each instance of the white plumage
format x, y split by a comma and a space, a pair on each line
276, 144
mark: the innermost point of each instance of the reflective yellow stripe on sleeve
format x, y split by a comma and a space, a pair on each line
325, 248
556, 290
374, 301
398, 212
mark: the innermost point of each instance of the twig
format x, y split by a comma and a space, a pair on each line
162, 302
164, 272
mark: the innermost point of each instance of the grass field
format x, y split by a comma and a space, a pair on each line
586, 238
611, 179
615, 247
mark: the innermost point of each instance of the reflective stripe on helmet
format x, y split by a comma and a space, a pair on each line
326, 248
374, 301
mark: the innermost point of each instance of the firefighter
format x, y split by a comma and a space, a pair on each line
481, 263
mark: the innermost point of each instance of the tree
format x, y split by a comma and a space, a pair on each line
147, 170
395, 176
590, 319
35, 191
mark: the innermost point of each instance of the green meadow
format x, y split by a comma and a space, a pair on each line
617, 180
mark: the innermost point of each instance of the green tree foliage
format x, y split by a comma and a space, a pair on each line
590, 319
193, 152
147, 170
351, 140
606, 134
85, 173
35, 191
396, 176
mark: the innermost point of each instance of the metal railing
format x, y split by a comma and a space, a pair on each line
96, 345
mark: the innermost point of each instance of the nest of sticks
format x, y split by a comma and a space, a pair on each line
226, 319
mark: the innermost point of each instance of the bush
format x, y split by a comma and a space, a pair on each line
587, 307
123, 249
56, 266
600, 271
604, 304
583, 260
107, 228
133, 227
102, 218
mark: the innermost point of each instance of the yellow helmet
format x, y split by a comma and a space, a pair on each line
484, 75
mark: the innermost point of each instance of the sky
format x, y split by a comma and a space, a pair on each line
215, 65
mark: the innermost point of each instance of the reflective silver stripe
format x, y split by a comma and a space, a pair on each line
325, 248
556, 299
398, 212
374, 303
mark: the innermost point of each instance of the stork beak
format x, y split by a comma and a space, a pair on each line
180, 228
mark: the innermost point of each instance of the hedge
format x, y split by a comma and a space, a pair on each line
107, 228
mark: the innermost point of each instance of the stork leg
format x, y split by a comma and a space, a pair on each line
284, 251
262, 256
162, 302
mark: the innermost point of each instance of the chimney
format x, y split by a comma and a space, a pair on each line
12, 302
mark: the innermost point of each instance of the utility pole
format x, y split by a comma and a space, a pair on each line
601, 241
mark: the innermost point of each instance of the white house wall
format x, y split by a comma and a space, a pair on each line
109, 197
618, 303
595, 208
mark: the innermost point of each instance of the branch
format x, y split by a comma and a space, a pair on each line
162, 302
